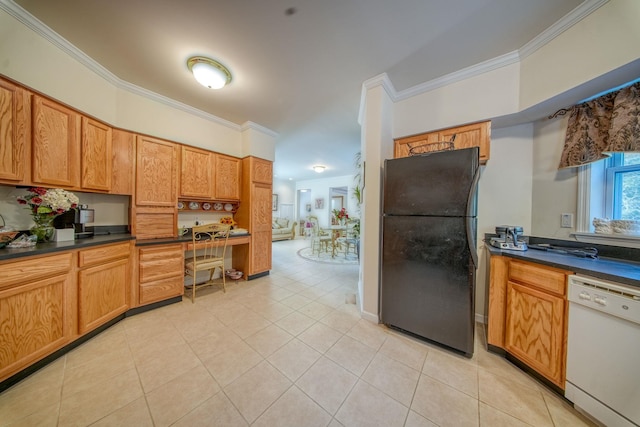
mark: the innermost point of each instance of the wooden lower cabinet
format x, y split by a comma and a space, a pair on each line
36, 310
160, 272
528, 313
104, 282
535, 331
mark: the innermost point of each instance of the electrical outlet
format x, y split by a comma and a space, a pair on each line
566, 220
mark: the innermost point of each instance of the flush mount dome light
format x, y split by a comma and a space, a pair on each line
319, 168
209, 73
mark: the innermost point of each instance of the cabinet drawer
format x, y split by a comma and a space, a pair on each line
103, 254
160, 263
18, 272
161, 289
544, 278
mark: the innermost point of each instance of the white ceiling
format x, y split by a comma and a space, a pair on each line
298, 74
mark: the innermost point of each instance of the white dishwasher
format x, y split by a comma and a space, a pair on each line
603, 350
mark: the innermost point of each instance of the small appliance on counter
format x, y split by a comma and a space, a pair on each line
76, 219
509, 237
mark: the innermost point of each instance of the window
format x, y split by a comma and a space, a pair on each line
609, 188
622, 186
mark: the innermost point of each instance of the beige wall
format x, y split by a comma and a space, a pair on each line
603, 41
554, 191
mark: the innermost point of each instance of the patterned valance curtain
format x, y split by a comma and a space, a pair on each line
610, 123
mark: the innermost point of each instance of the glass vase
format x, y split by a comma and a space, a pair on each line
43, 229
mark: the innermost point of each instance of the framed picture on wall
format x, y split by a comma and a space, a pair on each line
319, 203
274, 202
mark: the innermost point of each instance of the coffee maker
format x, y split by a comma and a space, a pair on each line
76, 219
509, 237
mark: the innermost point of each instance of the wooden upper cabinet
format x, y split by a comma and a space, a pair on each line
156, 172
471, 135
123, 151
15, 132
96, 155
403, 145
228, 176
56, 144
196, 175
261, 171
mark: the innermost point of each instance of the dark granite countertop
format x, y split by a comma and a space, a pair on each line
99, 239
184, 239
52, 247
610, 264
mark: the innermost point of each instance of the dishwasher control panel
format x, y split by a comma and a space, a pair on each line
613, 298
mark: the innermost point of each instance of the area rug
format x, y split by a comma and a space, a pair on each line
325, 257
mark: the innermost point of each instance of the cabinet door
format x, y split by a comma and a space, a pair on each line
15, 132
535, 330
260, 228
196, 176
123, 156
403, 145
473, 135
227, 177
102, 293
156, 172
261, 171
96, 155
56, 144
34, 319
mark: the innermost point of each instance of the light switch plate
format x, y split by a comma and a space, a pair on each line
566, 220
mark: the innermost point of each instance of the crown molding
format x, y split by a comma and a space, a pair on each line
382, 80
463, 74
37, 26
254, 126
560, 26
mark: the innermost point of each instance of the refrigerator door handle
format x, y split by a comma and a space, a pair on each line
471, 220
471, 239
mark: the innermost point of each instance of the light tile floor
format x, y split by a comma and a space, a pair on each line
282, 350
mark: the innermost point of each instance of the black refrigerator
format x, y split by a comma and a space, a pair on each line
428, 255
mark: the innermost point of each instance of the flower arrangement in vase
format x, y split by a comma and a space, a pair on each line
340, 215
44, 205
229, 221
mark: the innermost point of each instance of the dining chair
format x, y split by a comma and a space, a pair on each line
320, 239
350, 238
209, 247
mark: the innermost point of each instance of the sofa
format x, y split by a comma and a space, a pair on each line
283, 229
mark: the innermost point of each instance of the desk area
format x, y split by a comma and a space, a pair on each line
239, 243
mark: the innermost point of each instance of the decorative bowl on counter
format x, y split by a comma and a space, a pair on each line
6, 237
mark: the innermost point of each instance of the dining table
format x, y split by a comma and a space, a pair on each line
336, 231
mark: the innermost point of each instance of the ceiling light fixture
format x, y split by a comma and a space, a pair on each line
319, 168
209, 73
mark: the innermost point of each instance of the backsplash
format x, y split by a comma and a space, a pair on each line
109, 209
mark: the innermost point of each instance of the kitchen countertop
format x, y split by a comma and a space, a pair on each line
52, 247
606, 268
184, 239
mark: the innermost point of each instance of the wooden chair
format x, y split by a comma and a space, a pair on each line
319, 238
209, 248
350, 238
